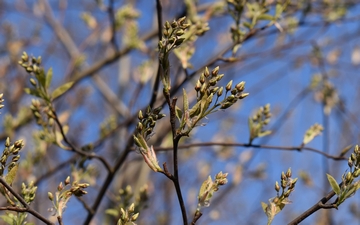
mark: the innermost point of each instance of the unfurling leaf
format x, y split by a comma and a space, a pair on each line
61, 90
334, 185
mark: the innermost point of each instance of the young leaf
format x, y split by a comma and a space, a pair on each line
33, 92
185, 101
61, 90
10, 177
49, 75
334, 184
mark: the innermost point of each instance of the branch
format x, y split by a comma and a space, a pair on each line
272, 147
23, 202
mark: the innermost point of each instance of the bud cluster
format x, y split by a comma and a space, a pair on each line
28, 192
258, 121
10, 151
172, 34
208, 188
31, 65
128, 215
354, 164
64, 193
277, 203
143, 132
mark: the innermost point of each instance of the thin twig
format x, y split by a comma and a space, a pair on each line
273, 147
113, 24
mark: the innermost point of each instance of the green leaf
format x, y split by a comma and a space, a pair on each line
61, 90
49, 75
334, 185
10, 177
264, 206
185, 101
41, 77
8, 219
33, 92
112, 212
178, 113
266, 17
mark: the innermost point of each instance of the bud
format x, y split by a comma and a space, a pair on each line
277, 187
166, 33
228, 86
179, 41
243, 95
60, 186
215, 71
38, 61
140, 115
213, 81
167, 25
288, 173
7, 142
134, 217
25, 57
240, 86
67, 180
206, 72
131, 208
219, 77
181, 20
220, 91
33, 82
50, 196
174, 24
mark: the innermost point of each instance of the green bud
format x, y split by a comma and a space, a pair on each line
25, 57
219, 77
179, 41
357, 173
38, 61
174, 24
288, 173
131, 208
181, 20
50, 196
166, 33
33, 82
167, 25
140, 115
277, 187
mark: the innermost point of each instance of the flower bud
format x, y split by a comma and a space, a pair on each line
215, 71
228, 86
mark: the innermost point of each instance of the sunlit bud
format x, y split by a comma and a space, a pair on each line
25, 57
283, 176
240, 86
219, 77
230, 98
356, 149
348, 177
276, 200
33, 82
353, 156
215, 71
243, 95
67, 180
226, 105
287, 193
234, 91
288, 173
179, 32
38, 61
202, 78
206, 72
220, 91
131, 208
123, 214
134, 217
19, 144
228, 86
203, 88
15, 158
350, 163
29, 69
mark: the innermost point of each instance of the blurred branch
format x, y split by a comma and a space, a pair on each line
111, 14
